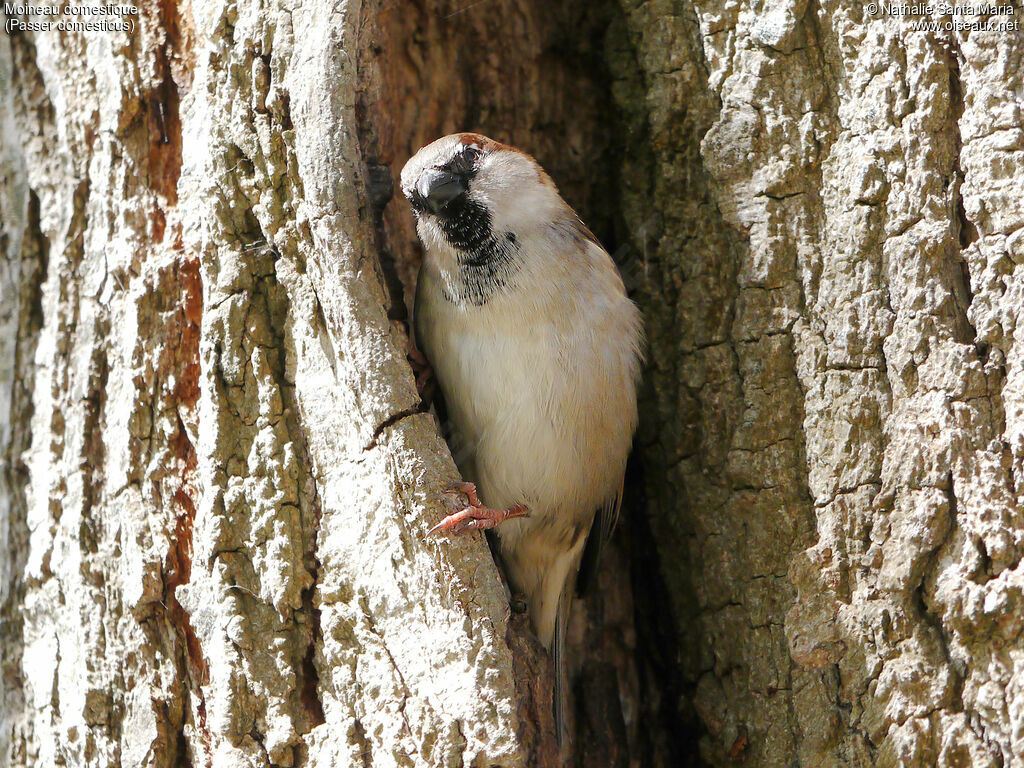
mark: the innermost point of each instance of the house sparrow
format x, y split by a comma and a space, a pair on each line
537, 351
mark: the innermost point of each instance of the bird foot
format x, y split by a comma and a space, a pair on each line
476, 516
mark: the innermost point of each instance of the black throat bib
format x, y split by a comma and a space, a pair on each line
487, 260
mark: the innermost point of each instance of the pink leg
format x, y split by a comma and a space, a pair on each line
475, 516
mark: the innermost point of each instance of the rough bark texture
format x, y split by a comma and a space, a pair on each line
833, 309
216, 474
227, 477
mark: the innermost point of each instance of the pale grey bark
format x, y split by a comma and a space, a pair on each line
834, 301
228, 482
215, 476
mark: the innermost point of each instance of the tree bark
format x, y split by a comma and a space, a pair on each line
217, 473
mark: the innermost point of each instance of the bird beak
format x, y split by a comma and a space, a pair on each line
438, 188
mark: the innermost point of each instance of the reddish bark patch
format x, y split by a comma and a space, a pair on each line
180, 363
172, 40
164, 139
186, 390
739, 747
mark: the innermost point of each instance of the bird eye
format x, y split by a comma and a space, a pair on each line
470, 154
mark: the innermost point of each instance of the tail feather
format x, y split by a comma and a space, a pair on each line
561, 671
547, 580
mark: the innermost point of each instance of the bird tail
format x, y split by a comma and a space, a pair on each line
561, 671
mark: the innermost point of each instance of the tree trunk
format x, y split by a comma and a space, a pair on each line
217, 473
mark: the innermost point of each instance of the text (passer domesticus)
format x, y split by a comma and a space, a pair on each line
537, 350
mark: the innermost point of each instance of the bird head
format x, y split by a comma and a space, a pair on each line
466, 188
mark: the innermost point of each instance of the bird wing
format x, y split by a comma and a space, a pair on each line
600, 531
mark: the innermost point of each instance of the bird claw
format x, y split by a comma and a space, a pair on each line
466, 489
475, 516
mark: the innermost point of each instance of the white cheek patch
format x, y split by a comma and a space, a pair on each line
513, 190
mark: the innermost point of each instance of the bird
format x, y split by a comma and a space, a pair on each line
537, 351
